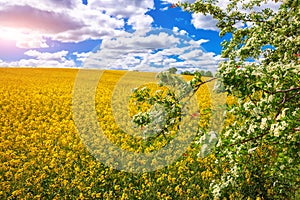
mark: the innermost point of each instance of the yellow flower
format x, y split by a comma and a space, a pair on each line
41, 150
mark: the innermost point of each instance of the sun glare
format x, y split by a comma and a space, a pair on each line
12, 34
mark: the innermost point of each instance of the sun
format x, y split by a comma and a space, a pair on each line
23, 38
12, 34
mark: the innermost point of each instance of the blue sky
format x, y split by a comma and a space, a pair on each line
113, 34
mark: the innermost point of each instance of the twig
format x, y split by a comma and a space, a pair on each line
250, 139
280, 91
282, 104
287, 90
297, 93
198, 86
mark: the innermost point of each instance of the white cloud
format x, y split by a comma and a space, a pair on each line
137, 42
58, 56
40, 20
164, 9
132, 51
183, 32
134, 10
70, 21
23, 38
175, 29
141, 23
42, 59
201, 21
155, 51
81, 56
198, 42
191, 54
127, 9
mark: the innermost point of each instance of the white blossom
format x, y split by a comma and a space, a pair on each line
227, 133
251, 150
283, 112
251, 128
275, 76
270, 99
248, 105
276, 132
263, 123
219, 143
283, 125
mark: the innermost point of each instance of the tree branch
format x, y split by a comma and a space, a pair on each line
297, 93
287, 90
250, 139
280, 91
202, 83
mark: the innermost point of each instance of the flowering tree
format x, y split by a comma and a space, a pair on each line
259, 154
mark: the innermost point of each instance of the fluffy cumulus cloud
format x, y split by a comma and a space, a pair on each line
42, 59
121, 8
24, 39
157, 50
201, 21
81, 56
141, 23
31, 23
28, 17
68, 20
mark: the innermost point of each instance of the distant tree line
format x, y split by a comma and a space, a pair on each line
173, 70
203, 73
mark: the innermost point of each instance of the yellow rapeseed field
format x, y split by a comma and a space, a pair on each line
42, 155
